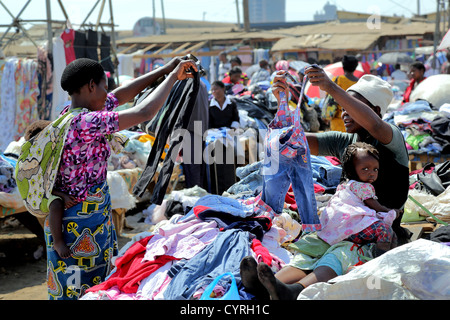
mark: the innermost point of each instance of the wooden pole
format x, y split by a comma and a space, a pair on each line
246, 16
163, 16
238, 14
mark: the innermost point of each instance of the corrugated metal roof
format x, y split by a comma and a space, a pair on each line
346, 36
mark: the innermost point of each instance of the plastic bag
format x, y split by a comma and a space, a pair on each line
120, 196
231, 294
416, 270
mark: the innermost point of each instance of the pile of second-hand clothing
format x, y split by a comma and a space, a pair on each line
425, 129
181, 256
7, 181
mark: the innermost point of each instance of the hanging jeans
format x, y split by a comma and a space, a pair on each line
224, 254
181, 102
288, 161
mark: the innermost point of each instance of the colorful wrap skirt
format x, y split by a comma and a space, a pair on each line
89, 232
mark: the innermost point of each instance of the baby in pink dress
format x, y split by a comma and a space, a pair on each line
354, 212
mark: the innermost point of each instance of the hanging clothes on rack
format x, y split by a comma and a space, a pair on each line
68, 37
79, 44
18, 98
60, 98
92, 45
8, 103
105, 53
45, 79
27, 90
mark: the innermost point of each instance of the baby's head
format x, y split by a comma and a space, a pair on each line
35, 128
360, 162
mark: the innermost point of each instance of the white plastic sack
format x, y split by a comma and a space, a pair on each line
416, 270
433, 89
437, 205
11, 200
120, 197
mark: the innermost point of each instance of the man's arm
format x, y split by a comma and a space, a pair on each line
313, 143
359, 111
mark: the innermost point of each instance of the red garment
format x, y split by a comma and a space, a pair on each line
409, 90
131, 270
68, 36
333, 160
318, 188
227, 79
290, 198
261, 251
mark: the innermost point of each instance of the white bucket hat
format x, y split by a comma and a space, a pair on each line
377, 91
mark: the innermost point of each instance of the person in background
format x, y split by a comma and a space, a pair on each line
445, 67
283, 65
224, 65
349, 64
222, 111
236, 62
263, 74
223, 115
416, 75
398, 74
234, 84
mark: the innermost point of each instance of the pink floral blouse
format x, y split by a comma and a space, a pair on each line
85, 156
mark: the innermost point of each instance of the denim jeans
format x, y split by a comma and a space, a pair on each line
224, 254
288, 161
250, 179
325, 174
224, 204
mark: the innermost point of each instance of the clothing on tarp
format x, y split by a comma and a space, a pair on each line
225, 221
224, 254
132, 268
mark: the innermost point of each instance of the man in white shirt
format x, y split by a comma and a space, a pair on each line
399, 74
224, 65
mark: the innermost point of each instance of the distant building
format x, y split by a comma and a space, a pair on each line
146, 27
329, 13
261, 11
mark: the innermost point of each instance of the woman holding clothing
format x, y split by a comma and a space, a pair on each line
87, 226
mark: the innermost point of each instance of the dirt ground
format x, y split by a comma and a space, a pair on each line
22, 276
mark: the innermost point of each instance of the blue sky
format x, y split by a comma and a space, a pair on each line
127, 12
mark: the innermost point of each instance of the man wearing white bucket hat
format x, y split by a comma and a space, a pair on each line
364, 104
